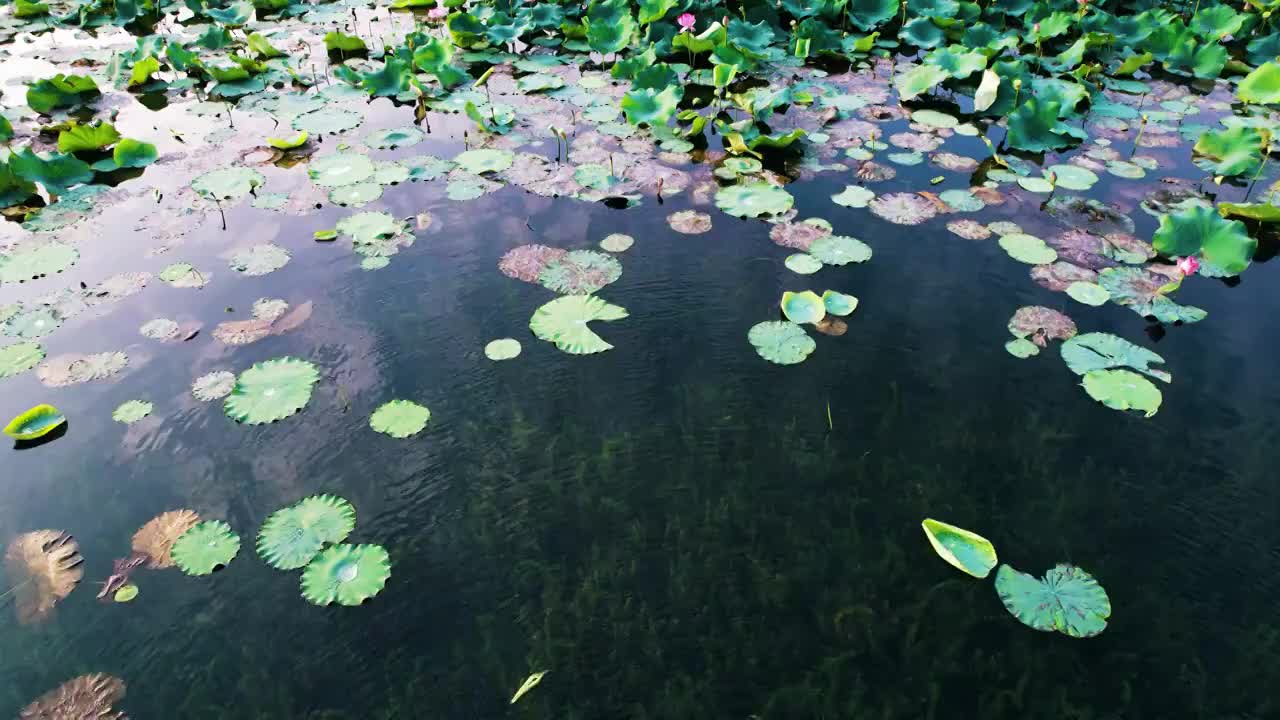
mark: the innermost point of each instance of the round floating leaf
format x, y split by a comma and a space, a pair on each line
183, 275
753, 200
1028, 249
370, 227
271, 391
291, 536
839, 250
35, 423
344, 168
132, 411
395, 138
969, 229
206, 547
1123, 390
502, 349
1022, 348
964, 550
903, 208
327, 120
781, 342
803, 307
1073, 177
400, 418
1100, 351
580, 272
213, 386
346, 574
961, 200
837, 303
230, 183
563, 321
1036, 185
803, 263
689, 222
617, 242
260, 259
126, 593
32, 324
933, 118
1088, 293
356, 195
288, 143
74, 368
1067, 600
484, 160
37, 262
853, 196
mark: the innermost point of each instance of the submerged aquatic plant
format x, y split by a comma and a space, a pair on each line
43, 567
88, 697
346, 574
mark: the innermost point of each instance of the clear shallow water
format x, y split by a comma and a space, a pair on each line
670, 527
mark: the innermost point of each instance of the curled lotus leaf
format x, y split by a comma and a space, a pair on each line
526, 262
484, 160
803, 307
1040, 324
43, 567
400, 418
966, 551
271, 391
903, 208
34, 263
617, 242
291, 536
502, 349
580, 272
837, 303
205, 547
754, 199
213, 386
339, 169
1068, 600
155, 539
73, 368
799, 235
132, 411
1101, 351
1121, 389
260, 259
779, 342
563, 321
35, 423
346, 574
840, 250
88, 696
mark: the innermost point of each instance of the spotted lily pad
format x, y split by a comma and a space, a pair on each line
1040, 324
346, 574
563, 321
779, 342
132, 411
291, 536
205, 547
37, 262
689, 222
260, 259
617, 242
964, 550
35, 423
1068, 600
74, 368
271, 391
754, 199
903, 208
400, 418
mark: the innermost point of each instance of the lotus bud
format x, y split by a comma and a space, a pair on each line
1017, 83
1036, 28
1188, 265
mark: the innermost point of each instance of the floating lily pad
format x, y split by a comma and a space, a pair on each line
227, 184
779, 342
260, 259
580, 272
357, 195
343, 168
803, 263
526, 262
853, 196
73, 368
837, 303
346, 574
1067, 600
271, 391
400, 418
327, 120
754, 199
617, 242
799, 235
132, 411
839, 250
213, 386
964, 550
126, 593
1073, 177
1123, 390
689, 222
395, 138
502, 349
291, 536
206, 547
35, 423
1040, 324
969, 229
903, 208
1022, 348
1088, 293
1028, 249
484, 160
159, 329
183, 275
803, 307
1141, 290
563, 321
1101, 351
32, 324
370, 227
37, 262
961, 200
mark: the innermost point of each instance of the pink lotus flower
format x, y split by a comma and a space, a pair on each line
1188, 265
686, 21
437, 13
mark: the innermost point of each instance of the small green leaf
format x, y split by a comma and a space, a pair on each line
964, 550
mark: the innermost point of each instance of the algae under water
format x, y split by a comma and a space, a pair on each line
666, 517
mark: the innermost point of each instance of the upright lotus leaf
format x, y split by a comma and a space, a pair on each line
230, 183
803, 307
1262, 212
754, 199
1035, 127
957, 62
1201, 230
61, 91
271, 391
205, 547
919, 79
1214, 21
1067, 600
1234, 151
400, 418
56, 172
346, 574
90, 137
867, 14
779, 342
337, 42
837, 303
988, 88
752, 39
1100, 351
923, 33
35, 423
705, 41
966, 551
42, 568
130, 153
291, 536
839, 250
651, 107
563, 321
1262, 85
155, 539
1123, 390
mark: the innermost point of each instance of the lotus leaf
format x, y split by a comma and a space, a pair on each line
803, 307
71, 369
35, 423
130, 153
1028, 249
43, 567
1262, 85
918, 80
400, 418
1142, 290
1123, 390
563, 321
779, 342
961, 200
260, 259
964, 550
126, 593
853, 196
32, 324
346, 574
37, 262
291, 536
271, 391
903, 208
754, 199
617, 242
837, 303
969, 229
580, 272
502, 349
81, 138
356, 195
343, 168
1101, 351
155, 539
1067, 600
213, 386
1200, 230
839, 250
327, 120
689, 222
803, 263
1041, 324
1022, 348
231, 183
206, 547
652, 107
1088, 293
288, 143
395, 138
369, 228
183, 275
132, 411
1073, 177
1035, 127
1234, 151
484, 160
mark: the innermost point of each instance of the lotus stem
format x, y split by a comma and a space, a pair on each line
14, 589
220, 212
1141, 127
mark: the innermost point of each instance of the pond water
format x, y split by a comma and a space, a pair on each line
672, 528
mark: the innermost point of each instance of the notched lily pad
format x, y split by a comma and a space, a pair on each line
1068, 600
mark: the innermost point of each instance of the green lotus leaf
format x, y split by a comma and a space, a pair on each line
1040, 185
61, 91
803, 307
291, 536
1067, 600
81, 138
392, 138
651, 10
260, 46
130, 153
803, 263
1035, 127
271, 391
484, 160
56, 172
753, 39
918, 80
1142, 291
580, 272
617, 242
205, 547
355, 195
1102, 351
867, 14
1200, 230
651, 107
369, 228
563, 321
923, 33
339, 42
779, 342
1088, 293
853, 196
288, 143
19, 357
1212, 22
1022, 348
964, 550
34, 423
342, 168
400, 418
1028, 249
1073, 177
1262, 212
837, 303
1262, 85
231, 183
327, 120
754, 199
132, 411
126, 593
37, 262
32, 324
432, 55
259, 259
961, 200
346, 574
703, 42
233, 15
502, 349
393, 78
839, 250
1230, 152
1123, 390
